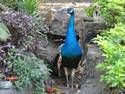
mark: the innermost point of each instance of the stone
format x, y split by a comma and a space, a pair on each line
5, 84
44, 69
94, 57
56, 21
14, 91
55, 24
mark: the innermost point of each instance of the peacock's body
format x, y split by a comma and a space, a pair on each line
71, 52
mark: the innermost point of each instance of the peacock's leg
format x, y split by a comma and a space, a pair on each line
59, 65
72, 77
66, 75
59, 74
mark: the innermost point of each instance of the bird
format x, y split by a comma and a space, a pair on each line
70, 52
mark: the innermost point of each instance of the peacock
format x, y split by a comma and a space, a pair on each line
70, 52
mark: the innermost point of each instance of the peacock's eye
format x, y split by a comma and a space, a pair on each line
71, 11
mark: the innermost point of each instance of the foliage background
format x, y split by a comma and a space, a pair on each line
17, 30
111, 41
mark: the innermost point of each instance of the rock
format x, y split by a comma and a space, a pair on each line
44, 69
94, 87
56, 21
94, 57
14, 91
55, 24
5, 84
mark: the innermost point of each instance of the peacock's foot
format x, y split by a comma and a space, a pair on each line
68, 86
72, 87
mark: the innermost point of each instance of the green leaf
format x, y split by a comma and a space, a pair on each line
4, 32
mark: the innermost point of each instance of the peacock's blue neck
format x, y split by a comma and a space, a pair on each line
71, 34
71, 46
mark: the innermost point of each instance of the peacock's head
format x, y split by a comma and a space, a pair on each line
70, 11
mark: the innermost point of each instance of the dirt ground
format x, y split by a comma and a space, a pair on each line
90, 86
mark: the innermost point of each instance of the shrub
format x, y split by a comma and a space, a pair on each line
19, 61
113, 47
28, 6
113, 11
26, 66
112, 41
10, 3
19, 25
